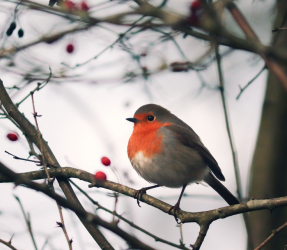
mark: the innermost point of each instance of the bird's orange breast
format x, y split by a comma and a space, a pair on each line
146, 139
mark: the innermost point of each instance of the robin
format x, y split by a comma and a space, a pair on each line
167, 152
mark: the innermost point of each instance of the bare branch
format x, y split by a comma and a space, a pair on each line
8, 244
31, 132
95, 220
127, 221
271, 236
28, 222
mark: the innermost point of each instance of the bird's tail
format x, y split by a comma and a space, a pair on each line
219, 188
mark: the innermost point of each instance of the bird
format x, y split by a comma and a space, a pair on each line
167, 152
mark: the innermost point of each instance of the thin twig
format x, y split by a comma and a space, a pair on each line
45, 244
50, 181
40, 85
227, 123
63, 225
28, 221
40, 138
251, 81
111, 45
274, 232
22, 159
232, 146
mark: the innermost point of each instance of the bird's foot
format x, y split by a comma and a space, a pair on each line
139, 194
173, 210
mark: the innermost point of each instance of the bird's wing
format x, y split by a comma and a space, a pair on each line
189, 138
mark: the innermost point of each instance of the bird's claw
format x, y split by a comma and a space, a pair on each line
175, 209
139, 194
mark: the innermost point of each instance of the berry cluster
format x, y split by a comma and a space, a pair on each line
101, 176
11, 29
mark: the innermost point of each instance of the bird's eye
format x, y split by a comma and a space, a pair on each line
150, 118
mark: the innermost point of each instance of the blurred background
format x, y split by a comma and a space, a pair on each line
100, 77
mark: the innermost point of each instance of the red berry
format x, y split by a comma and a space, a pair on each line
69, 5
12, 136
195, 5
106, 161
196, 11
70, 48
84, 6
100, 176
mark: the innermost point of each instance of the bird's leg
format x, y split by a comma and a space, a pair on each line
142, 191
176, 207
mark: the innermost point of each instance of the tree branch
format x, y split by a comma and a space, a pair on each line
199, 217
81, 213
31, 132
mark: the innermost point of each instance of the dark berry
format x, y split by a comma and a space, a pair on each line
70, 48
12, 26
20, 33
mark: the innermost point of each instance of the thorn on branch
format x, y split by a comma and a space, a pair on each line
10, 241
59, 224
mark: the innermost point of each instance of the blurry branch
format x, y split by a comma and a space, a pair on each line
90, 218
40, 85
8, 243
31, 133
62, 12
45, 244
127, 221
111, 45
210, 25
28, 221
47, 39
230, 137
274, 67
249, 83
227, 124
274, 232
204, 219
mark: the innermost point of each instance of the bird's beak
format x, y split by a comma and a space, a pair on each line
134, 120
